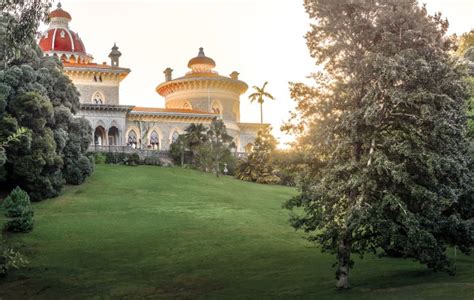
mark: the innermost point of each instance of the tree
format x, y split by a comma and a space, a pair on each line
219, 144
466, 41
36, 95
19, 211
384, 128
259, 95
257, 167
20, 21
178, 149
21, 132
195, 136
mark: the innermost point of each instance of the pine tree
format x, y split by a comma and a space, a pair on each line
385, 132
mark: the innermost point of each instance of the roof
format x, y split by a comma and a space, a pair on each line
201, 59
95, 67
59, 13
61, 39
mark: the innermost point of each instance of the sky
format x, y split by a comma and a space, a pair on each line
261, 39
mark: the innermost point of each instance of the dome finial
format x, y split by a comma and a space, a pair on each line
201, 52
59, 4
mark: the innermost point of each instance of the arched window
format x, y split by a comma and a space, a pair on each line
99, 136
174, 137
216, 108
132, 139
113, 136
187, 105
98, 98
155, 140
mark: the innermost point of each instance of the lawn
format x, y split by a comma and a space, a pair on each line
138, 232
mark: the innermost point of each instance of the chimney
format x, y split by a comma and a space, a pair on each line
168, 74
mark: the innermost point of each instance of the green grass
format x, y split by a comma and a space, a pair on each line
138, 232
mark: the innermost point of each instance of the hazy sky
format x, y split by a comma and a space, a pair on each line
261, 39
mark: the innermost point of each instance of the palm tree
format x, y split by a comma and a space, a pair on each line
259, 95
195, 136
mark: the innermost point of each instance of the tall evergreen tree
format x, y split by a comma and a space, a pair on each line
36, 95
385, 127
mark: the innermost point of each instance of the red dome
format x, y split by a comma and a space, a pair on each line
61, 39
59, 13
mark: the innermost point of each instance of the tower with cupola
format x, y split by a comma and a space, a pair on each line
97, 83
202, 88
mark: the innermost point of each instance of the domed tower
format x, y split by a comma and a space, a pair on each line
204, 89
98, 84
60, 41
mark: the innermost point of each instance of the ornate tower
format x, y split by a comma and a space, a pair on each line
114, 56
204, 89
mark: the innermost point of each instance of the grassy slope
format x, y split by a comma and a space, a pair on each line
140, 232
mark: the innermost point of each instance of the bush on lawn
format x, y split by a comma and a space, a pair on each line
152, 161
19, 211
99, 157
129, 159
10, 259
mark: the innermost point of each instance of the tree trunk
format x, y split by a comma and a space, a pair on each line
344, 257
182, 159
261, 113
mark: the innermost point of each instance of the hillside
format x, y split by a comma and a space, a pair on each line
136, 232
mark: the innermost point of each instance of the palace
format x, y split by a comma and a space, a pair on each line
197, 97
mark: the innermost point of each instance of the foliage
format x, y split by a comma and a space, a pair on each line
259, 96
257, 167
179, 151
218, 148
133, 159
465, 41
289, 165
194, 137
19, 211
384, 130
3, 144
205, 148
10, 259
129, 159
37, 96
152, 161
99, 157
22, 21
77, 167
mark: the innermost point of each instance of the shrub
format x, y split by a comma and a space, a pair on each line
115, 158
152, 161
132, 159
98, 157
10, 259
19, 211
84, 165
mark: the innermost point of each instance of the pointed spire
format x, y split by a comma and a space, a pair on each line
201, 52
